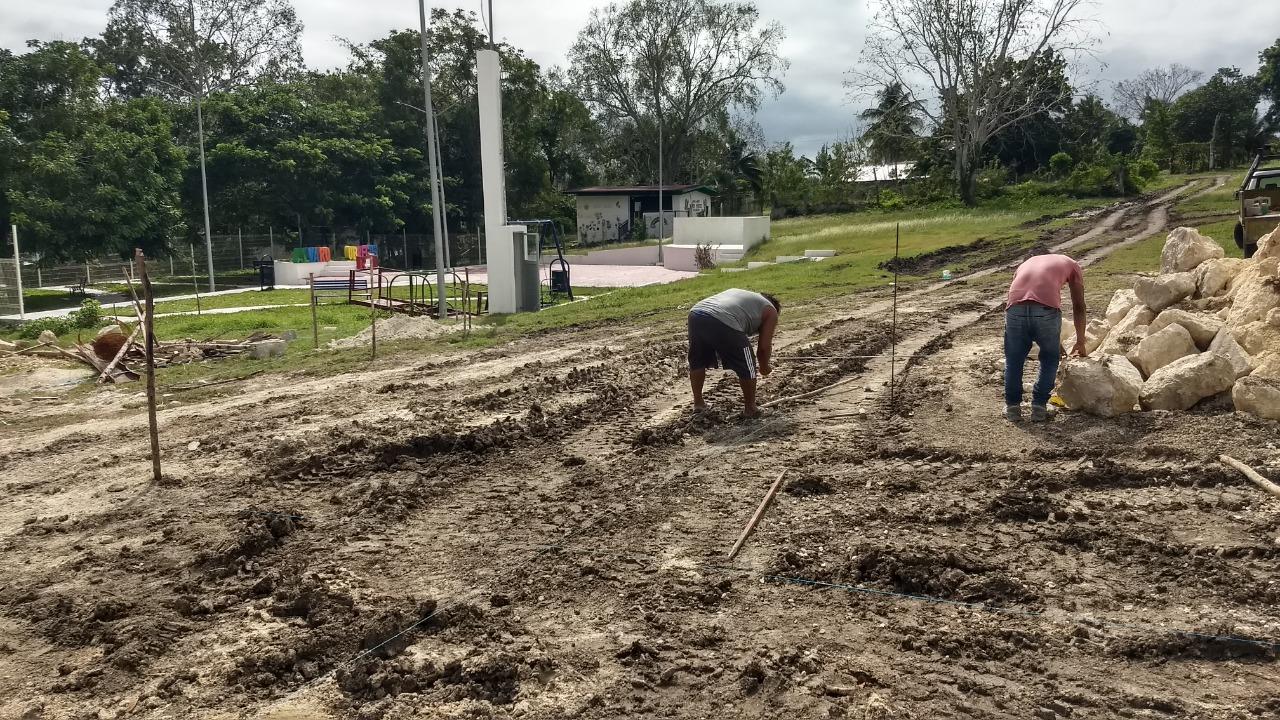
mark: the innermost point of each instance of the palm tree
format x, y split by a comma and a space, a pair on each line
893, 125
739, 171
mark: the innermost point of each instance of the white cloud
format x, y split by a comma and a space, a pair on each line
824, 38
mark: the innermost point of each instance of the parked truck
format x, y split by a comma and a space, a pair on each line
1259, 198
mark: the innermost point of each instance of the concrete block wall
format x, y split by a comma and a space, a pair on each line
745, 231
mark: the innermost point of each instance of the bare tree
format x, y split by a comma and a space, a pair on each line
1163, 85
973, 67
675, 64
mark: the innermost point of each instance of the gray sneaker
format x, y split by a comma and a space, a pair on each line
1040, 413
1013, 413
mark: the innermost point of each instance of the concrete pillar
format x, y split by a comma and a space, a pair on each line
498, 235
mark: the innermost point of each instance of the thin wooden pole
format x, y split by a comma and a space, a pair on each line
315, 327
373, 311
149, 341
751, 526
893, 332
1253, 475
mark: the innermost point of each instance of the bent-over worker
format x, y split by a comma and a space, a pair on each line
1034, 315
720, 328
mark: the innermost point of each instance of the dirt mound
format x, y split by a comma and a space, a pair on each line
398, 327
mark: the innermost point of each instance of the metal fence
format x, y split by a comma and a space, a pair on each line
8, 286
234, 256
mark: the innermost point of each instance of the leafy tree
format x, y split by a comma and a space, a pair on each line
785, 178
674, 63
1269, 80
1158, 138
974, 66
1220, 112
892, 132
176, 48
1026, 145
106, 188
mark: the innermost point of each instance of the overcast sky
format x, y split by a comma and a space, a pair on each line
824, 38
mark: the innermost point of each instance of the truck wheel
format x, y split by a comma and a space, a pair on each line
1240, 236
1249, 250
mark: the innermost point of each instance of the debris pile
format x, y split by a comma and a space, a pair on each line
1205, 326
112, 351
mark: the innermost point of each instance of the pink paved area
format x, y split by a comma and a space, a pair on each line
610, 276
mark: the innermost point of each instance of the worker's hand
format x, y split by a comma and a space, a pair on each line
765, 369
1079, 350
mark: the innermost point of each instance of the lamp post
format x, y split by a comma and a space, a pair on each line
436, 201
440, 170
198, 97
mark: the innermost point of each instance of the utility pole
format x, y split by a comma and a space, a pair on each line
204, 178
1213, 143
437, 206
17, 268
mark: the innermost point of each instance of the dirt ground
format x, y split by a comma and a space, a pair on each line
540, 530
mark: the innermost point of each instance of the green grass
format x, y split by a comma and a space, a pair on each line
1219, 201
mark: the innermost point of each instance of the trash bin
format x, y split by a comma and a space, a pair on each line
266, 273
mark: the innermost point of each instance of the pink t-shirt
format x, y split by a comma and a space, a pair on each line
1041, 279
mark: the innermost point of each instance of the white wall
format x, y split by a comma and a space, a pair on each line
691, 203
600, 216
644, 255
745, 231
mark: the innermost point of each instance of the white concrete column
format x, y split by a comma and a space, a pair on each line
501, 260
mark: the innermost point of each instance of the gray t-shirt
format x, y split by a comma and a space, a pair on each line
739, 309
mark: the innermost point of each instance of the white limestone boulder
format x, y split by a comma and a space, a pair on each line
1224, 344
1164, 291
1105, 386
1257, 338
1213, 277
1127, 333
1186, 381
1267, 366
1203, 328
1095, 333
1137, 317
1268, 246
1257, 395
1186, 249
1161, 348
1122, 301
47, 337
1256, 292
108, 330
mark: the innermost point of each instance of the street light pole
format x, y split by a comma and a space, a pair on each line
204, 192
436, 204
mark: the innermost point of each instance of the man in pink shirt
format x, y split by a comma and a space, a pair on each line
1034, 315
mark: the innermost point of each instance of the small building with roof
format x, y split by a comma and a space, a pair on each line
610, 214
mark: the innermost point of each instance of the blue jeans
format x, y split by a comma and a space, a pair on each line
1025, 324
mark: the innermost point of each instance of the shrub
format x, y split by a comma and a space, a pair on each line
703, 257
1060, 164
89, 316
890, 200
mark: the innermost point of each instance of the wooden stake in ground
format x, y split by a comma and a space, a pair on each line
751, 526
1252, 474
149, 341
315, 327
373, 313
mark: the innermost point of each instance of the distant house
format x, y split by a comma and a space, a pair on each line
609, 214
882, 173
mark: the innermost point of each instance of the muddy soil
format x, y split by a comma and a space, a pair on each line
539, 530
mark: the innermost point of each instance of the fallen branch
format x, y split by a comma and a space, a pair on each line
23, 351
1252, 474
746, 532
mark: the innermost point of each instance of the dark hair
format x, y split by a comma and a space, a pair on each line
777, 304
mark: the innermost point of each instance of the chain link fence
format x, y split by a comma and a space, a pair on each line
8, 286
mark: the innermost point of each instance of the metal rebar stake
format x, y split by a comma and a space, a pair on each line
893, 328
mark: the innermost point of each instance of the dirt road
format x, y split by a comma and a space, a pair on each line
539, 531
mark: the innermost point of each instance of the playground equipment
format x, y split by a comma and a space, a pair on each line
558, 280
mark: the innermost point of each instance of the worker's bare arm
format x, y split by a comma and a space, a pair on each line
768, 324
1078, 315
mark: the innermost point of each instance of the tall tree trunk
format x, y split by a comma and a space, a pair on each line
966, 176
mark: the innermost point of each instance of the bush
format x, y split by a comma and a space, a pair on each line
1060, 164
889, 200
89, 316
1145, 170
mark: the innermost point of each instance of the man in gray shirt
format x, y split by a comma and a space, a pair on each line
720, 330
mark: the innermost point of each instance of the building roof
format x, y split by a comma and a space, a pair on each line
640, 190
871, 173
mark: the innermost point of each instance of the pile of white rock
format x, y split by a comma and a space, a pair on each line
1207, 324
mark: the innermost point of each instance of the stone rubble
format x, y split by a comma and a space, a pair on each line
1206, 325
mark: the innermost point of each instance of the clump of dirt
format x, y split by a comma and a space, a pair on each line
808, 485
257, 533
1218, 645
492, 677
936, 259
949, 575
